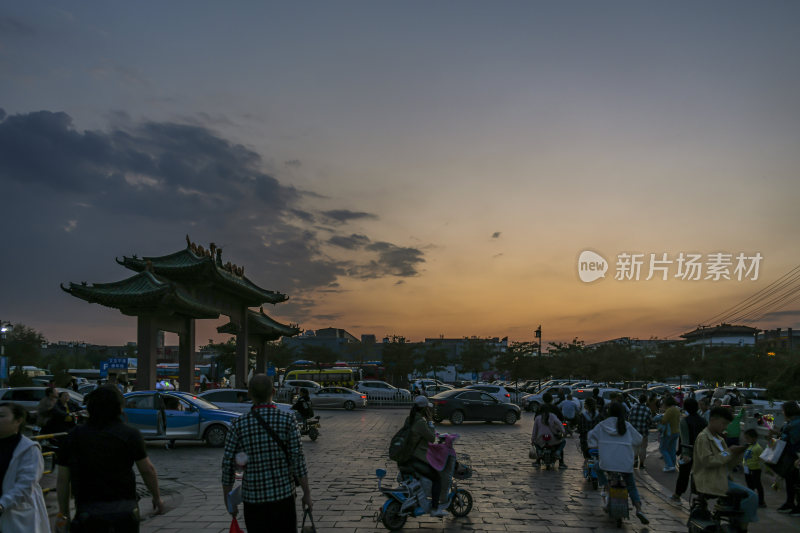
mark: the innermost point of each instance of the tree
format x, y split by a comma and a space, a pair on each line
226, 352
398, 358
24, 346
434, 358
476, 355
279, 354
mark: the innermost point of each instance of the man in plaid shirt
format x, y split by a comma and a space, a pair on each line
641, 417
268, 487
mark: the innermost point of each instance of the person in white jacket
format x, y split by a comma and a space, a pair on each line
616, 440
22, 507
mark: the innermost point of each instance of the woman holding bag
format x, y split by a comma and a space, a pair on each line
790, 432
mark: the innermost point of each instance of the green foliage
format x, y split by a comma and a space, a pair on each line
23, 346
17, 378
398, 358
226, 352
279, 354
434, 359
476, 356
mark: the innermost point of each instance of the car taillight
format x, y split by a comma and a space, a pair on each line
439, 402
363, 397
508, 395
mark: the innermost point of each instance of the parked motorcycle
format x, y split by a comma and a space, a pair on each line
725, 516
412, 496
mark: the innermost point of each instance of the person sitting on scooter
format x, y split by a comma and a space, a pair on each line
587, 420
712, 460
549, 430
616, 440
303, 405
421, 421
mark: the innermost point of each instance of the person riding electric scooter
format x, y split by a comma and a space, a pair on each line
420, 419
548, 431
616, 441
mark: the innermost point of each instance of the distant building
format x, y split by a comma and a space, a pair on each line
780, 339
632, 342
334, 339
722, 335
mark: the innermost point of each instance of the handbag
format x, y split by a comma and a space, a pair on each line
235, 526
532, 452
280, 443
772, 454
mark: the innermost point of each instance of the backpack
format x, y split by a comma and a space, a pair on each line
401, 447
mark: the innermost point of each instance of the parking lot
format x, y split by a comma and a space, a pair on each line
509, 494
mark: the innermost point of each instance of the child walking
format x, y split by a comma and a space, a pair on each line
752, 465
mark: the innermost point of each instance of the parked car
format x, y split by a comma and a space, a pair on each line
424, 383
380, 390
433, 390
175, 415
338, 397
29, 397
296, 384
498, 391
532, 402
234, 400
459, 405
750, 396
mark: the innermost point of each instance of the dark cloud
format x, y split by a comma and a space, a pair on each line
80, 198
780, 315
496, 235
340, 216
353, 242
392, 260
292, 163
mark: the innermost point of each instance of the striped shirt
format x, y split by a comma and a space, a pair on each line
267, 476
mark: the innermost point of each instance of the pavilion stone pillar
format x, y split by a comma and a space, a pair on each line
186, 359
242, 355
146, 346
261, 358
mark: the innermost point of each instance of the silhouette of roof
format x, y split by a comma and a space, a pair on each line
142, 293
258, 323
194, 265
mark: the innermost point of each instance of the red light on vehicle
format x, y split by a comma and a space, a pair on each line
508, 395
580, 390
363, 397
439, 402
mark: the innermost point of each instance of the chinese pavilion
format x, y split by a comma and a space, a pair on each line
170, 292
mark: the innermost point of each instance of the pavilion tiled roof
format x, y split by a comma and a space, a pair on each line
258, 323
142, 293
193, 265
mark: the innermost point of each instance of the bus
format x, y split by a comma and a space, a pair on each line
341, 376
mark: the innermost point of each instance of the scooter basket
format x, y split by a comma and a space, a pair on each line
463, 468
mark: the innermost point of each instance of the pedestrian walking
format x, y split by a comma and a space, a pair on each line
22, 507
95, 463
669, 428
641, 418
46, 404
690, 427
275, 463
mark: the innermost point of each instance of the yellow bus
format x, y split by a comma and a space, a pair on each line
341, 376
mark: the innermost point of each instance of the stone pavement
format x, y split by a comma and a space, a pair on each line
509, 494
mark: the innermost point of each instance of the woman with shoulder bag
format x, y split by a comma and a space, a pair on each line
22, 507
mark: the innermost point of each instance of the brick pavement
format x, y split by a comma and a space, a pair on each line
509, 494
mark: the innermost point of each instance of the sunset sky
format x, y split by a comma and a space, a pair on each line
409, 168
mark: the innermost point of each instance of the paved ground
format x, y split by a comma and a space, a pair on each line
509, 494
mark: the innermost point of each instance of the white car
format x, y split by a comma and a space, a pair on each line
380, 390
498, 391
234, 400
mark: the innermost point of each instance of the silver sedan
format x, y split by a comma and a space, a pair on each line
338, 397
